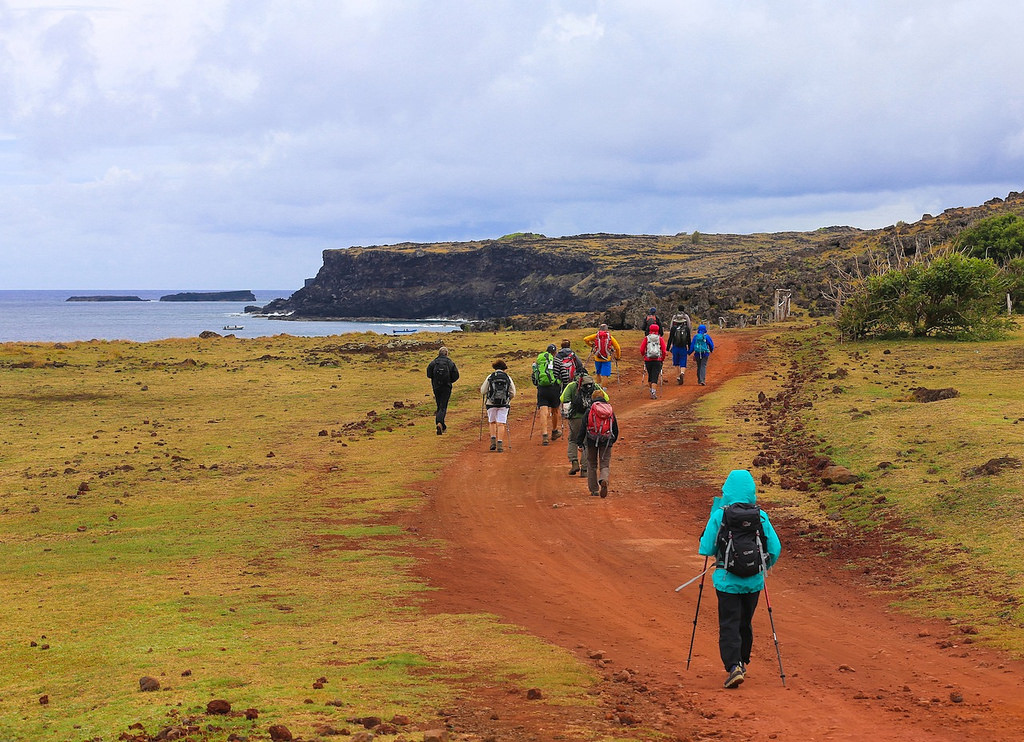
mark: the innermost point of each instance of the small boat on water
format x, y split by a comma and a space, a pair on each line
396, 332
234, 327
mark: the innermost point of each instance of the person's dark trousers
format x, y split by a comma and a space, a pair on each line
441, 395
735, 634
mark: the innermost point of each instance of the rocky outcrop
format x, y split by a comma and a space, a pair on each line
210, 296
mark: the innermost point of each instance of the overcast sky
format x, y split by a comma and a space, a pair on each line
220, 145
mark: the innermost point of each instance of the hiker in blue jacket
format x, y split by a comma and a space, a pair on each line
737, 596
702, 346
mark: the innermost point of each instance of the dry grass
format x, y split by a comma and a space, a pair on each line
226, 547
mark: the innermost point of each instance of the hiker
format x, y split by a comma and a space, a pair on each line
679, 342
549, 388
652, 350
738, 593
568, 365
702, 346
604, 346
597, 434
576, 399
497, 391
652, 320
442, 373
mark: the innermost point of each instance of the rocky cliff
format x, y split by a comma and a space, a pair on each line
531, 274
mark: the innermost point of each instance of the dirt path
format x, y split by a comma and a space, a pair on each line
527, 543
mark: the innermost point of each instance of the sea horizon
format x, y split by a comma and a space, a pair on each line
45, 315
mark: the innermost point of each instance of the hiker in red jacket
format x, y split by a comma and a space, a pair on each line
596, 436
653, 350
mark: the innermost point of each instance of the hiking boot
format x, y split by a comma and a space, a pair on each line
735, 677
604, 487
654, 393
439, 429
544, 439
583, 473
493, 444
594, 494
679, 380
556, 434
702, 383
575, 468
500, 449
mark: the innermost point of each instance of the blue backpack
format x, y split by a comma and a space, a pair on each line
700, 343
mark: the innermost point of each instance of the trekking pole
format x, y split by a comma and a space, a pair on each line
768, 602
534, 421
775, 637
618, 376
483, 414
700, 593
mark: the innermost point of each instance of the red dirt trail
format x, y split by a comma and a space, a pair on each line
526, 542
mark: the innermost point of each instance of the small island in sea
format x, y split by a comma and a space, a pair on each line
210, 296
105, 298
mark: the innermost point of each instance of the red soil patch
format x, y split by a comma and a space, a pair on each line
595, 575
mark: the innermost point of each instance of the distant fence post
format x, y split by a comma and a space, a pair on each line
783, 304
1009, 304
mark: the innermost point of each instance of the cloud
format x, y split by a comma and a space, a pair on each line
143, 141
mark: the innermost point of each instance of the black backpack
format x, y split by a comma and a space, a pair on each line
581, 399
740, 544
442, 373
500, 386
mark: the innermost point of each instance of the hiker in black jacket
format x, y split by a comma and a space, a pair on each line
442, 373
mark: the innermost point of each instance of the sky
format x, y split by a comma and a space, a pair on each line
223, 144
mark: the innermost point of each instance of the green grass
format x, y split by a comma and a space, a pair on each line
222, 536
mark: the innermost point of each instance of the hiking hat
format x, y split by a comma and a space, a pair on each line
584, 380
653, 328
652, 310
552, 348
702, 328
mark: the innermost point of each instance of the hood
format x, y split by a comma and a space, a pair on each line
739, 487
653, 329
702, 328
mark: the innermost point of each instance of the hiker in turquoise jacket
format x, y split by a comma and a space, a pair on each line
702, 346
737, 596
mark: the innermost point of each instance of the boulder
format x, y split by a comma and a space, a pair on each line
837, 475
922, 394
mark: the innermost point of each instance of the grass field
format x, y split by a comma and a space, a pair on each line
213, 513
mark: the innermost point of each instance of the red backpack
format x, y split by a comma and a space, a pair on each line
603, 344
599, 422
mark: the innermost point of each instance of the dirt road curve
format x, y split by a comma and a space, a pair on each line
595, 575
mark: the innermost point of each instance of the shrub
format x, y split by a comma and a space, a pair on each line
1000, 238
1013, 275
953, 296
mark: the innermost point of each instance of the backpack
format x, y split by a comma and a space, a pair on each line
544, 370
599, 422
566, 368
442, 373
499, 387
603, 344
581, 400
700, 343
652, 351
740, 543
678, 335
650, 319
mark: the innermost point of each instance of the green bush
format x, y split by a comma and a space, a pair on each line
953, 296
1013, 274
1000, 238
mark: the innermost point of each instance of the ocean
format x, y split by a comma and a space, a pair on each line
47, 316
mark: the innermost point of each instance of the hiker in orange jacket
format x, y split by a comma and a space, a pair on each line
605, 347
